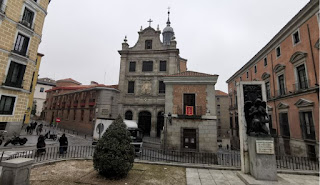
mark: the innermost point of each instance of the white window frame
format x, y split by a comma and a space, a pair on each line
247, 74
15, 40
277, 53
14, 106
31, 9
296, 65
297, 31
8, 66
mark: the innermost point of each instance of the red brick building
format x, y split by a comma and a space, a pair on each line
289, 65
78, 106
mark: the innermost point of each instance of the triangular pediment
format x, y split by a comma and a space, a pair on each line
282, 106
265, 76
304, 103
297, 56
279, 67
269, 108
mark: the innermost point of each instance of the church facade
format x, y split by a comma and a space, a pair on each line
142, 67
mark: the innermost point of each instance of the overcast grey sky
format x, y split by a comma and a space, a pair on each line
81, 38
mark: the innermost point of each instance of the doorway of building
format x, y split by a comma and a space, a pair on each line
160, 123
189, 138
144, 122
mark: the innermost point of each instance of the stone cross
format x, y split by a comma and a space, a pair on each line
150, 22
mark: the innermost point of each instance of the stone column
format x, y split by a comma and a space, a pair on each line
16, 171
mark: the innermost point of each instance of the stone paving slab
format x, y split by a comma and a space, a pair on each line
196, 176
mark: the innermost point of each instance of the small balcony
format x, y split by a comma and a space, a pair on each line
300, 86
92, 102
83, 103
75, 104
282, 92
63, 105
69, 104
190, 112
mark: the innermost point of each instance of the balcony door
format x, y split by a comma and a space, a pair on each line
189, 100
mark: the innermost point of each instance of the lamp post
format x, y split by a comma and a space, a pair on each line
168, 118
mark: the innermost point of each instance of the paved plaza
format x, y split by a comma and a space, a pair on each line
227, 177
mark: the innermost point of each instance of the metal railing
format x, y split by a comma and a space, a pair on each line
225, 159
179, 110
297, 163
282, 92
299, 86
30, 25
53, 153
231, 158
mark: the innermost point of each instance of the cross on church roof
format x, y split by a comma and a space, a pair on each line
150, 22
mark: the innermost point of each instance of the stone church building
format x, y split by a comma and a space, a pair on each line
154, 83
142, 67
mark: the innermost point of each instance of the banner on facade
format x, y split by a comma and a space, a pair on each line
189, 110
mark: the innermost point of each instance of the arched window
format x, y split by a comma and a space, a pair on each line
128, 115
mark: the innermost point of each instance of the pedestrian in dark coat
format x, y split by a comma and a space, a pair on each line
63, 140
41, 145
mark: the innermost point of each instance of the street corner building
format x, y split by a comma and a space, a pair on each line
21, 24
289, 66
78, 106
191, 106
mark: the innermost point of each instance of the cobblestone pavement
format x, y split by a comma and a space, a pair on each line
226, 177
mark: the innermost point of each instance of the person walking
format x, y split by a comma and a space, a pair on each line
63, 140
41, 145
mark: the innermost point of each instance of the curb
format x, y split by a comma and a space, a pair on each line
55, 161
188, 165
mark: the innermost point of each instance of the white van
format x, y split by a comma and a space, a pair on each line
101, 125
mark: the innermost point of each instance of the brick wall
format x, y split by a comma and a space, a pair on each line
198, 90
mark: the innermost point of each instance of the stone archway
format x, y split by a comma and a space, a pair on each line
144, 122
160, 123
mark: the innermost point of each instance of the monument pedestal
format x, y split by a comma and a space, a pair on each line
262, 159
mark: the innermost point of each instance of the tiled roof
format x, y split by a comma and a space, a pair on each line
81, 87
192, 73
69, 79
221, 93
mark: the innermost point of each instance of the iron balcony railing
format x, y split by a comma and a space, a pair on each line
30, 25
282, 92
299, 86
180, 111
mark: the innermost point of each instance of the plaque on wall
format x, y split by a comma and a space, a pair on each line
104, 111
264, 147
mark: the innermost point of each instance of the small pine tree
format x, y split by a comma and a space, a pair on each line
113, 157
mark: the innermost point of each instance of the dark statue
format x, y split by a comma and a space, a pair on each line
256, 118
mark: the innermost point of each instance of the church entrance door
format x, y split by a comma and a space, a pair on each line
160, 122
144, 122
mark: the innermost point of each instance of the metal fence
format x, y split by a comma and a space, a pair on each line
297, 163
225, 159
53, 153
156, 155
